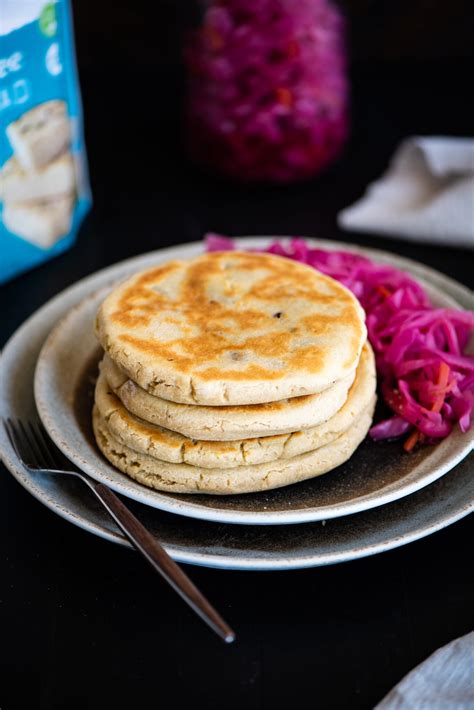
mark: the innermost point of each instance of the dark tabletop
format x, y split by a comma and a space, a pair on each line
86, 624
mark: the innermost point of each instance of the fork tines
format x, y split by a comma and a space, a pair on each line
31, 444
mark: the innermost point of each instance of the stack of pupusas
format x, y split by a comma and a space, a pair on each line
231, 373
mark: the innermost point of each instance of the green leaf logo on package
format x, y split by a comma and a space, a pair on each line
47, 20
44, 188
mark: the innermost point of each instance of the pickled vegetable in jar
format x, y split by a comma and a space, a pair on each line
267, 88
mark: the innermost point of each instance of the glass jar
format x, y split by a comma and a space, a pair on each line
267, 88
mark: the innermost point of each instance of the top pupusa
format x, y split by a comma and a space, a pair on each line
232, 328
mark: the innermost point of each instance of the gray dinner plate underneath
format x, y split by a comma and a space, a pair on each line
223, 545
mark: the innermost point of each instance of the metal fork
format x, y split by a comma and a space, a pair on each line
37, 453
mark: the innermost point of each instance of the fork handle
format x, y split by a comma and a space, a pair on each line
159, 559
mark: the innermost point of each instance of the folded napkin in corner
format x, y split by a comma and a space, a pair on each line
445, 681
426, 195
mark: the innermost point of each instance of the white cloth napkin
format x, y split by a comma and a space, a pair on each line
445, 681
426, 195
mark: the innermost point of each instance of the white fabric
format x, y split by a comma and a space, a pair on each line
445, 681
426, 195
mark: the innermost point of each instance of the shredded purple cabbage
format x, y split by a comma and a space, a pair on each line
425, 375
267, 88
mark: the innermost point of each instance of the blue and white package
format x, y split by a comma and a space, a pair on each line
44, 188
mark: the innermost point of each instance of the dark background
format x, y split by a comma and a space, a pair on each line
84, 624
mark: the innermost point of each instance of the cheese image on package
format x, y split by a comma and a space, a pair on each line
41, 222
37, 184
40, 135
44, 191
19, 185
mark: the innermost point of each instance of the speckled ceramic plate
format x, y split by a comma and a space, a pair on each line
216, 544
376, 474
